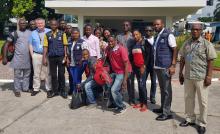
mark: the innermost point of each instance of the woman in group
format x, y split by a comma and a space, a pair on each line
140, 59
75, 69
106, 34
102, 43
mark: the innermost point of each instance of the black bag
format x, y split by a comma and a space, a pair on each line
78, 100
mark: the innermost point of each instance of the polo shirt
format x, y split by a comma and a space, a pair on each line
54, 34
37, 40
118, 56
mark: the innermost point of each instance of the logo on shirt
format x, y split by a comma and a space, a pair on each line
162, 41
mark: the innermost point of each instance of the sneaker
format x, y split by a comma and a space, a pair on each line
50, 94
64, 95
143, 108
120, 111
153, 101
17, 94
34, 93
112, 106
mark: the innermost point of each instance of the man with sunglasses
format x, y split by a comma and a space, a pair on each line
149, 38
197, 55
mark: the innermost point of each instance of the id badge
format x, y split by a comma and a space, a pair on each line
189, 57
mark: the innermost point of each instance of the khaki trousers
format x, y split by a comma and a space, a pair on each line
41, 72
191, 88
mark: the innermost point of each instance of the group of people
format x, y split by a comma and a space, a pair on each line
43, 54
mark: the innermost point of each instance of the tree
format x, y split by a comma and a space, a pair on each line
21, 6
206, 19
5, 14
39, 10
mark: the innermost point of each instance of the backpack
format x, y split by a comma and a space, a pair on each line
101, 75
11, 48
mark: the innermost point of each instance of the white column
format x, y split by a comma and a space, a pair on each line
81, 24
169, 22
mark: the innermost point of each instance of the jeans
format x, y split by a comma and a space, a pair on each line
153, 78
21, 79
58, 83
115, 95
89, 89
130, 86
166, 90
141, 85
75, 77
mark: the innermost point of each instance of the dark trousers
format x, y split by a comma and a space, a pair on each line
130, 88
58, 83
31, 77
142, 89
153, 78
166, 90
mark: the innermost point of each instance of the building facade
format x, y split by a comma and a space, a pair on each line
111, 13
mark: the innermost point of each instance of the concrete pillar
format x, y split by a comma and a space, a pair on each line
169, 22
81, 24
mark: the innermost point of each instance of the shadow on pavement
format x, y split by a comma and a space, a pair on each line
6, 86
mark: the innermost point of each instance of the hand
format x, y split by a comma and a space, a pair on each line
44, 61
181, 78
67, 62
4, 61
124, 85
142, 69
78, 87
172, 70
207, 81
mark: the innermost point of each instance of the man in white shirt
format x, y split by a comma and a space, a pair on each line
92, 42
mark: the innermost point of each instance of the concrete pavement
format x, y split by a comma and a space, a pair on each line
39, 115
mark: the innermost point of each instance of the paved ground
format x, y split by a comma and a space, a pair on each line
39, 115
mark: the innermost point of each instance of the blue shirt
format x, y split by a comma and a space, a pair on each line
37, 40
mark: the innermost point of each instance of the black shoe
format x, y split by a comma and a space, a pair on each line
50, 94
186, 124
163, 117
35, 93
153, 101
17, 94
27, 91
112, 106
201, 130
64, 95
157, 110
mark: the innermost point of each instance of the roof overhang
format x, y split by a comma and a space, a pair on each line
121, 8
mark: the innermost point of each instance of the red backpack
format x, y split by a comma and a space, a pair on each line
101, 75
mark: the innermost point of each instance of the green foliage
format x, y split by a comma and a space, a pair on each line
181, 39
22, 6
6, 7
217, 61
1, 44
206, 19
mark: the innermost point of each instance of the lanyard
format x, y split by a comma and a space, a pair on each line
196, 46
